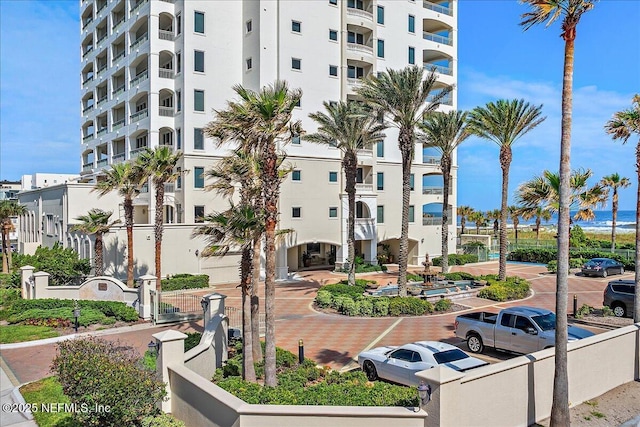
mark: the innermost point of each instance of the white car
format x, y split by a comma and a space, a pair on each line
400, 364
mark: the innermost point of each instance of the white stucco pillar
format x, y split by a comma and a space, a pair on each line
148, 282
26, 273
41, 281
170, 345
213, 305
444, 404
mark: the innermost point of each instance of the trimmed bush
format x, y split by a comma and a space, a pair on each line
342, 289
459, 275
55, 317
455, 259
118, 310
185, 281
443, 304
380, 307
161, 420
412, 306
512, 288
10, 280
544, 256
364, 307
324, 298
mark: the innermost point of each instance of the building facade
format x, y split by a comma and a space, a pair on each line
153, 71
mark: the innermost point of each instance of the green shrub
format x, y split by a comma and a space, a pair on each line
339, 289
94, 371
544, 256
552, 266
584, 310
512, 288
443, 304
456, 259
380, 306
414, 278
324, 298
399, 306
42, 317
364, 307
63, 265
185, 281
362, 283
192, 340
10, 280
459, 275
348, 306
118, 310
606, 311
161, 420
368, 268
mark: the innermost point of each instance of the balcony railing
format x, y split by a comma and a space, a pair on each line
87, 51
360, 13
102, 37
437, 8
86, 109
139, 115
354, 81
430, 160
170, 188
137, 5
87, 138
118, 90
117, 158
439, 68
365, 153
102, 131
166, 73
102, 163
364, 188
135, 152
102, 99
166, 35
140, 77
139, 41
101, 8
118, 56
365, 222
356, 47
432, 190
446, 100
437, 38
102, 68
117, 125
117, 24
87, 167
166, 111
428, 219
87, 22
87, 79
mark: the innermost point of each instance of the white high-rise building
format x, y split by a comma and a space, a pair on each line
152, 71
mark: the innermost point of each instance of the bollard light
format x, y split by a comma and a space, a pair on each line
300, 351
153, 347
76, 314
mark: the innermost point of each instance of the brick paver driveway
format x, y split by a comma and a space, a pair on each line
336, 340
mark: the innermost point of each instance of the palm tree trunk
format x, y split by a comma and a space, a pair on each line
405, 140
614, 216
463, 222
5, 260
350, 165
99, 268
538, 223
445, 166
270, 184
636, 310
505, 161
248, 369
560, 404
255, 300
158, 230
128, 220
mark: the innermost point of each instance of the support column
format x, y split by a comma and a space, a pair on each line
41, 281
148, 283
444, 405
26, 284
214, 316
170, 345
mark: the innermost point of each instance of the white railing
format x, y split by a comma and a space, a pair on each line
366, 222
139, 41
437, 8
117, 24
166, 73
166, 35
87, 22
87, 167
364, 188
446, 100
431, 160
427, 219
102, 37
166, 111
360, 13
354, 82
140, 77
365, 153
117, 158
118, 90
169, 188
439, 69
137, 5
102, 69
117, 125
360, 48
87, 51
134, 153
432, 190
102, 99
118, 56
101, 163
168, 1
102, 131
139, 115
437, 38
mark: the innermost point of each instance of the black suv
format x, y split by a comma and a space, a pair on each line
619, 295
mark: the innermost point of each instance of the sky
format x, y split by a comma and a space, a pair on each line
40, 68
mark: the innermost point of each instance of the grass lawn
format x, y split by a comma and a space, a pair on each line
20, 333
48, 391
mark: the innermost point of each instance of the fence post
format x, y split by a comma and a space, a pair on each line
26, 273
144, 295
41, 281
170, 348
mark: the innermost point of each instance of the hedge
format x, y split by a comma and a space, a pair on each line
512, 288
544, 256
455, 259
185, 281
118, 310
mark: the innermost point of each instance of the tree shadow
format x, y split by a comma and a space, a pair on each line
115, 256
328, 356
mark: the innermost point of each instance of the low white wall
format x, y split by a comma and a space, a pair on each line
96, 289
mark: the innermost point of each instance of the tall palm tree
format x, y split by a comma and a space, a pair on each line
504, 122
478, 219
515, 212
571, 11
350, 127
614, 182
445, 132
8, 209
405, 96
464, 212
123, 179
236, 228
622, 126
537, 212
160, 166
96, 221
270, 113
496, 216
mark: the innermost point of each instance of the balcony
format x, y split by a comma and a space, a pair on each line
441, 69
87, 51
102, 37
446, 100
87, 138
118, 56
103, 7
361, 48
360, 13
87, 167
117, 24
102, 69
166, 35
102, 163
166, 111
118, 90
431, 160
433, 190
354, 82
102, 131
166, 73
87, 22
437, 38
364, 188
117, 125
365, 228
117, 158
135, 152
429, 219
437, 8
170, 188
140, 77
137, 6
87, 80
139, 41
86, 109
139, 115
102, 100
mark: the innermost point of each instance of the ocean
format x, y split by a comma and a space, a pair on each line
625, 222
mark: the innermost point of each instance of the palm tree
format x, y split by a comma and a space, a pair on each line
269, 113
614, 182
504, 122
539, 213
8, 208
478, 219
496, 216
622, 126
122, 178
445, 132
405, 96
160, 166
463, 213
236, 228
96, 221
515, 212
571, 11
350, 127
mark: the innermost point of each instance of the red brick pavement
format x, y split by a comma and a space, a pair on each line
335, 340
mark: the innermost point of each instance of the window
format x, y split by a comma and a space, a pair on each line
380, 181
506, 319
412, 55
296, 212
295, 139
412, 24
248, 26
380, 149
411, 213
296, 175
198, 25
178, 24
353, 37
249, 63
178, 138
334, 2
380, 48
296, 63
354, 72
178, 100
178, 62
523, 324
381, 15
333, 70
198, 61
198, 100
179, 178
333, 35
333, 212
198, 177
198, 140
333, 176
412, 182
296, 26
380, 215
198, 213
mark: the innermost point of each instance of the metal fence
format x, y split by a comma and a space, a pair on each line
235, 318
176, 306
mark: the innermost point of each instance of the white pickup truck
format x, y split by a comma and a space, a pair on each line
517, 329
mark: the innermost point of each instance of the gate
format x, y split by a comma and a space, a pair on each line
235, 319
175, 306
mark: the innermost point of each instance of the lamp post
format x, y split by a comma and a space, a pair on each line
76, 314
153, 347
424, 394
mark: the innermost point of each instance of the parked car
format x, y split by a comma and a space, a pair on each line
602, 267
400, 364
619, 295
517, 329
